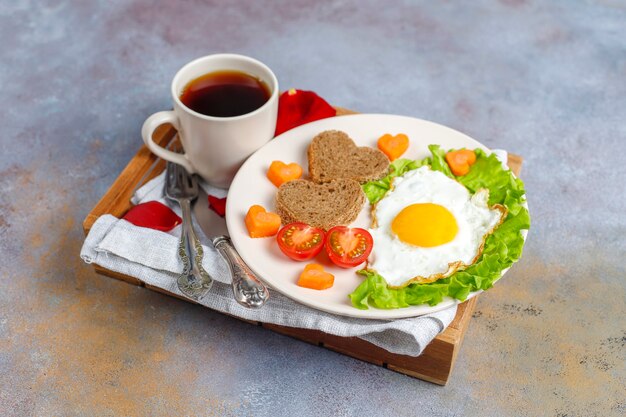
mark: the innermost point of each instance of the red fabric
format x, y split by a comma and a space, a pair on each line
218, 205
297, 107
153, 215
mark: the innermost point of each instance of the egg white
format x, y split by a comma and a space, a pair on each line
401, 263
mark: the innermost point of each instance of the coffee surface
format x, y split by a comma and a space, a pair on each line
225, 94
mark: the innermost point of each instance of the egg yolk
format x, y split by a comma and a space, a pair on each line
425, 224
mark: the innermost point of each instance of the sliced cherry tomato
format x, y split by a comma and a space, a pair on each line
300, 242
348, 247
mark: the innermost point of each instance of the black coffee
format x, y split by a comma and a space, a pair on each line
225, 94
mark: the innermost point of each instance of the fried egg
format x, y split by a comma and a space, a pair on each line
428, 226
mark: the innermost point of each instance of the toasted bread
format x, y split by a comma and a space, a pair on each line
337, 202
333, 155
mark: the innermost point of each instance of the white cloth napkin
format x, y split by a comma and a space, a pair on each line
151, 256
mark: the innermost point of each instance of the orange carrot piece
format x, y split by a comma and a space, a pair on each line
316, 278
460, 161
261, 223
279, 172
393, 146
469, 154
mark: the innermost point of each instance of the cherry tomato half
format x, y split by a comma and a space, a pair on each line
348, 247
300, 242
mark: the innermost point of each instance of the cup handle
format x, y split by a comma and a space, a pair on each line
147, 130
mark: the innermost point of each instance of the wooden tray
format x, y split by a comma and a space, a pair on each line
434, 364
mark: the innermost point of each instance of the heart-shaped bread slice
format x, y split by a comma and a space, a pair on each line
337, 202
333, 155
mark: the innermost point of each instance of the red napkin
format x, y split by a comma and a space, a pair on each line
153, 215
218, 205
297, 107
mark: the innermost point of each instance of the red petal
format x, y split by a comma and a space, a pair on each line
218, 205
297, 107
153, 215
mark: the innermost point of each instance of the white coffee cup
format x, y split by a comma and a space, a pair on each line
215, 147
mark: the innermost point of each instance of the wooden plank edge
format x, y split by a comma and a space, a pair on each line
419, 375
515, 161
119, 276
433, 365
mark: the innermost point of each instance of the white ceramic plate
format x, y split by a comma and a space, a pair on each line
251, 186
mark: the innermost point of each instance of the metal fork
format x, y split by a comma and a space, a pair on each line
181, 187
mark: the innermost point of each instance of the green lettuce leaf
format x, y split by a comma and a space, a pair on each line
375, 190
439, 160
502, 248
375, 292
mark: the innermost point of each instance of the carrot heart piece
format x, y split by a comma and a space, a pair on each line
460, 161
280, 172
316, 278
393, 146
261, 223
153, 215
218, 205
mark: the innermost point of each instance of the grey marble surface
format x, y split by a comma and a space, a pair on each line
543, 79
